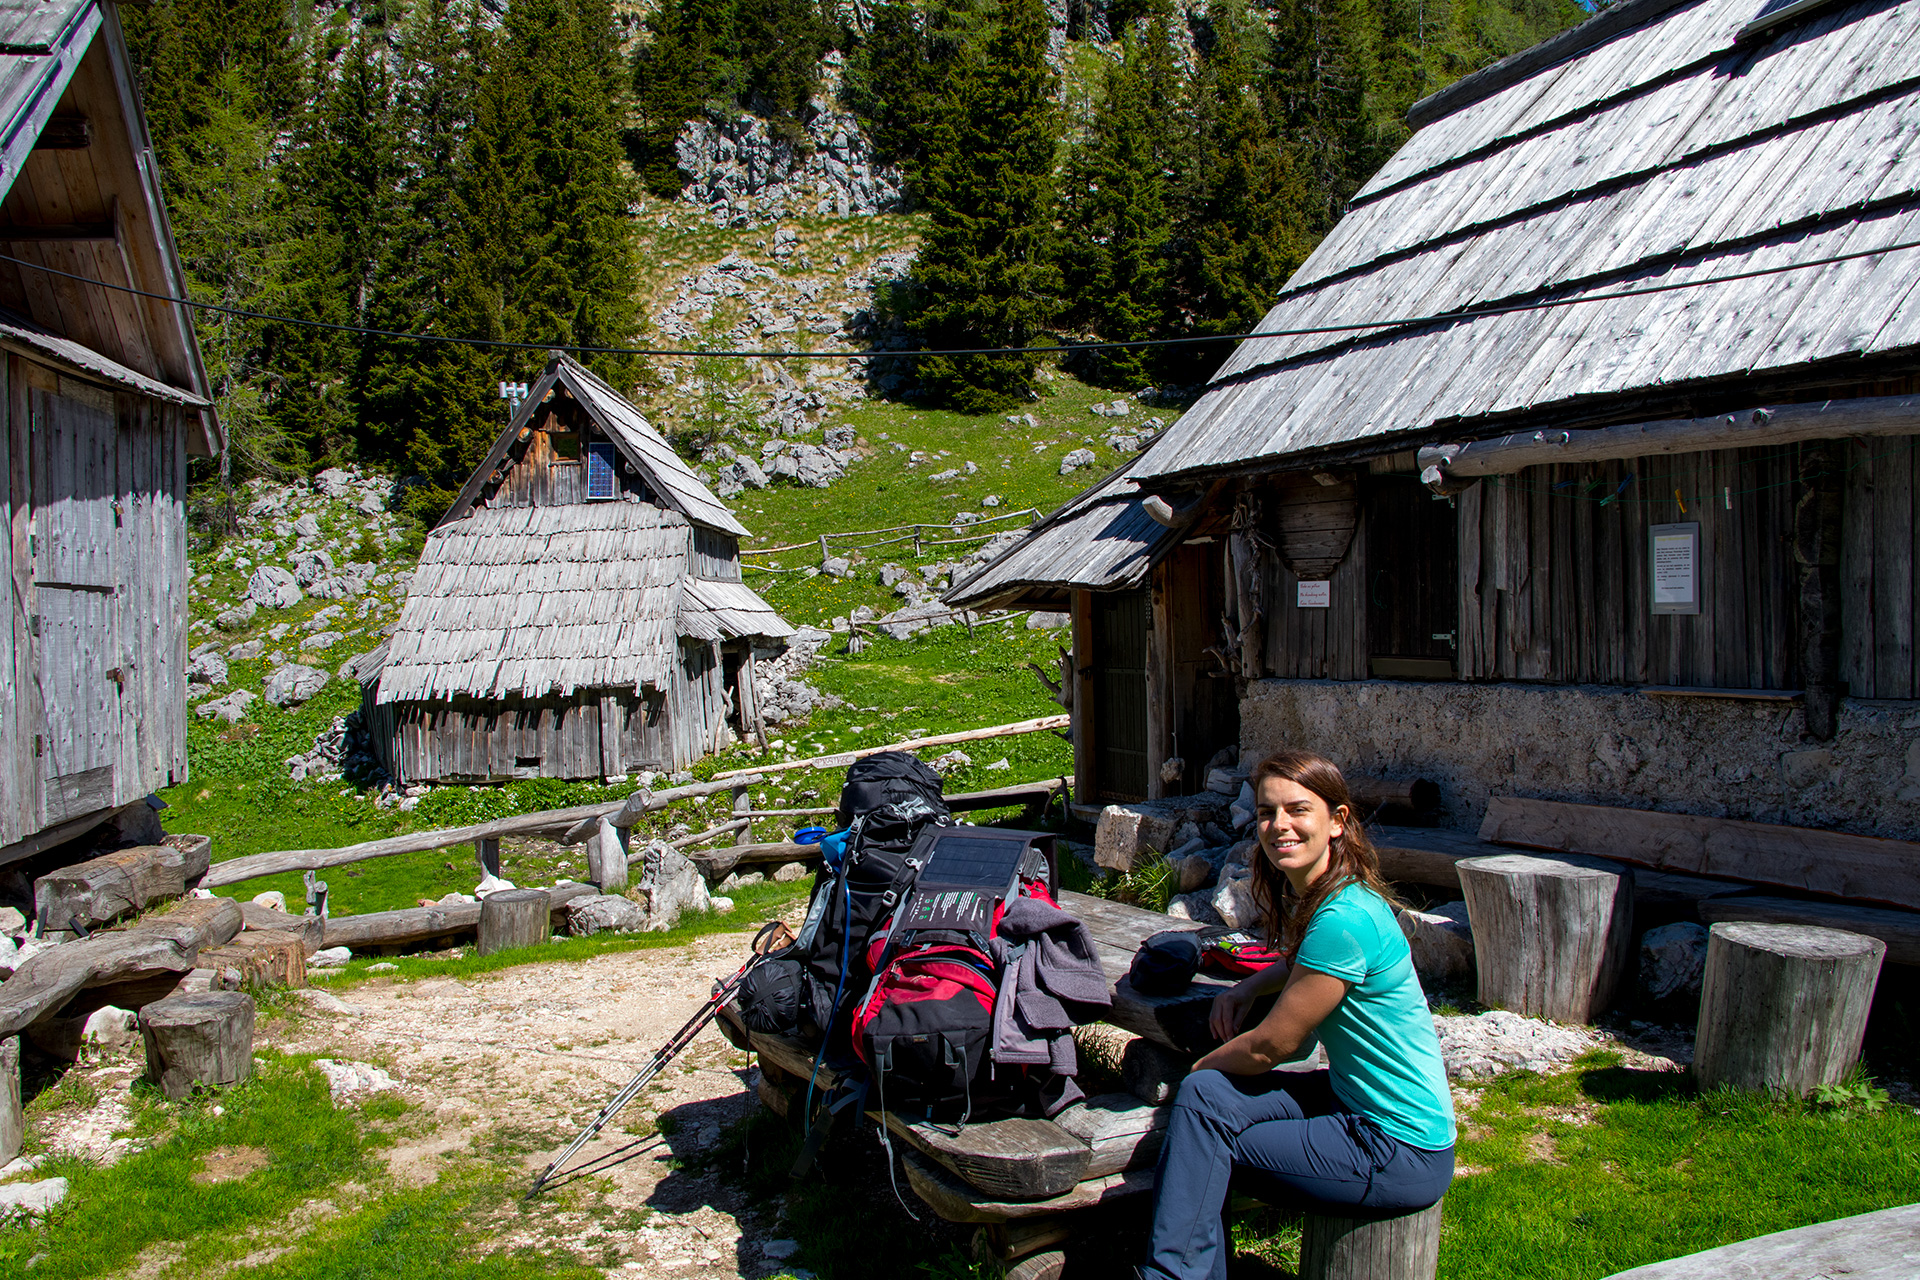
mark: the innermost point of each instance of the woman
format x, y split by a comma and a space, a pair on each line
1376, 1130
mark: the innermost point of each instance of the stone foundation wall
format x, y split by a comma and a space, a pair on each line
1600, 745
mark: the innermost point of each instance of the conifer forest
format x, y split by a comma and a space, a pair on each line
476, 169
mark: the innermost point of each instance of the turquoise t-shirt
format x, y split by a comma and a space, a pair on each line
1384, 1055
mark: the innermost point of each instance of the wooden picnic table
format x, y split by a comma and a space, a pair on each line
1021, 1179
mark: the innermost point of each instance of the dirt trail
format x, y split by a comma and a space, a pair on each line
518, 1061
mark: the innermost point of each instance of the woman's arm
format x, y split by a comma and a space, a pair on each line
1230, 1006
1304, 1004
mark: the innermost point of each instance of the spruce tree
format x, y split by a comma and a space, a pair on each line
985, 274
1245, 204
690, 59
1115, 208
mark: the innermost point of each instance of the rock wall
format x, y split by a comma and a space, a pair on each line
1599, 745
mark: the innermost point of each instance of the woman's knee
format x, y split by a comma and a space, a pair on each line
1209, 1092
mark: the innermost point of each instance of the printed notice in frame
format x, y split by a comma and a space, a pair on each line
1314, 595
1673, 567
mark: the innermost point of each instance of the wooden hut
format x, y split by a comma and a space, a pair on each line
578, 613
1613, 502
103, 400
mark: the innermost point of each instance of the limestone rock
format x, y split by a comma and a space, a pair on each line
272, 898
1126, 833
791, 871
743, 172
334, 482
1495, 1042
1194, 871
208, 668
719, 905
306, 527
670, 884
237, 617
110, 1027
1195, 906
1233, 902
604, 913
739, 880
272, 587
294, 684
348, 1081
1672, 959
247, 651
1441, 941
1077, 459
330, 958
1242, 811
232, 708
28, 1199
1039, 620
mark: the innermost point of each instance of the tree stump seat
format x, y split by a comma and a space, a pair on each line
203, 1038
1404, 1247
514, 918
1551, 932
1783, 1007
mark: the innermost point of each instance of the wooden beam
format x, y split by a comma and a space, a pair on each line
418, 924
1900, 930
59, 233
842, 759
1774, 425
169, 942
103, 889
1826, 862
1426, 856
581, 819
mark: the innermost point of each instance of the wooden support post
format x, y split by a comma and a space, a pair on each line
1405, 1248
316, 895
1816, 553
607, 858
742, 807
13, 1125
514, 918
1160, 717
203, 1038
1551, 934
1783, 1007
487, 850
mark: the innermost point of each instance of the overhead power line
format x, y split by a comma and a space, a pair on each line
1356, 326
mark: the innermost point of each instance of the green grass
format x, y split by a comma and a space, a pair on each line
1607, 1168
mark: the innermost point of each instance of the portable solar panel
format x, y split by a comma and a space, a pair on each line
600, 478
968, 869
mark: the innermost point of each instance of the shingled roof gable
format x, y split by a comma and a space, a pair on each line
1666, 153
646, 449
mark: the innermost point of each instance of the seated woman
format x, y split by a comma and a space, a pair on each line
1375, 1131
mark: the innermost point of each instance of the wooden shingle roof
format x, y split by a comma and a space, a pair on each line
1668, 151
1103, 540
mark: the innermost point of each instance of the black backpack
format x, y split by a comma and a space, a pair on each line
888, 800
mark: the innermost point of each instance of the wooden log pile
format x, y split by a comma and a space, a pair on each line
90, 894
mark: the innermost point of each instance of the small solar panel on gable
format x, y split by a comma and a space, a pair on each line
601, 482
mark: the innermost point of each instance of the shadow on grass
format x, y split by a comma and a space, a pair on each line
1624, 1084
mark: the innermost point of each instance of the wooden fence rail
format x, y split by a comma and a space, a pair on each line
620, 813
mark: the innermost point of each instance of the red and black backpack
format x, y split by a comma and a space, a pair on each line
924, 1026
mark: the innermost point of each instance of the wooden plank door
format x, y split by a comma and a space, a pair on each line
1413, 601
80, 664
1119, 662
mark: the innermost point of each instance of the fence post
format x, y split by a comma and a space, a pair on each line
742, 805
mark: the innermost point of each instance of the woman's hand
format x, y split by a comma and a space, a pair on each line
1229, 1011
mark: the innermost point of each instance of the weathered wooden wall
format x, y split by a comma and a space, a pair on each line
543, 476
714, 555
95, 560
1553, 581
1880, 609
470, 740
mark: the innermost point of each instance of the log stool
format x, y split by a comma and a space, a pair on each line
1783, 1006
514, 918
1402, 1248
1551, 932
203, 1038
13, 1127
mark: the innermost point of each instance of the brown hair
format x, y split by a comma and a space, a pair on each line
1354, 860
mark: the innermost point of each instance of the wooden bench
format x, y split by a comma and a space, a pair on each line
1021, 1180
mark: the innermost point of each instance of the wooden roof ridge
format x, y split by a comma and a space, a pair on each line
1555, 50
643, 447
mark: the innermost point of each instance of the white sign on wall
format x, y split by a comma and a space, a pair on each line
1673, 567
1315, 595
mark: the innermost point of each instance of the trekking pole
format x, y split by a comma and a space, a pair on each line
772, 936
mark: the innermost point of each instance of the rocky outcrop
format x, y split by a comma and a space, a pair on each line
741, 171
